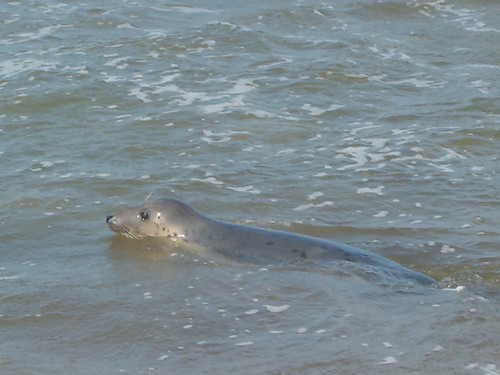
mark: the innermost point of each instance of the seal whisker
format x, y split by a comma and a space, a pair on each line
149, 196
127, 233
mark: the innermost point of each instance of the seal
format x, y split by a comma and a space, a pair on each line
184, 226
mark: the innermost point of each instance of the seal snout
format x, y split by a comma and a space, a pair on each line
108, 218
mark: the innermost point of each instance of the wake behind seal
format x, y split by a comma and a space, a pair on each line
180, 223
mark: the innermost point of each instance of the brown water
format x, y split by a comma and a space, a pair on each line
373, 124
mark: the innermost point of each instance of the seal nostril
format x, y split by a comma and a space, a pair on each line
108, 218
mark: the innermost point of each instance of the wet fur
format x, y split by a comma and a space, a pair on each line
182, 224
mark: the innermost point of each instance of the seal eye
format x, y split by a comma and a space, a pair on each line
144, 215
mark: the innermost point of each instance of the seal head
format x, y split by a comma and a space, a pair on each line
169, 218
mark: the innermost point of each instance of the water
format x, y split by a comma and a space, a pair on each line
370, 123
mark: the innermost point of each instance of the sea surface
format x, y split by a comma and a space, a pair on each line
371, 123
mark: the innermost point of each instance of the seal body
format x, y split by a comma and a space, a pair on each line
186, 227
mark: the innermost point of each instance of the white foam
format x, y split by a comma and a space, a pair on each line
246, 343
315, 195
9, 277
266, 114
357, 154
381, 214
388, 361
377, 190
445, 249
245, 189
451, 154
140, 95
286, 151
236, 101
40, 33
458, 289
316, 137
420, 83
115, 62
210, 180
172, 88
184, 9
311, 205
277, 309
241, 86
221, 137
126, 25
316, 111
168, 78
11, 68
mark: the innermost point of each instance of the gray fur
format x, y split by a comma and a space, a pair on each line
177, 221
